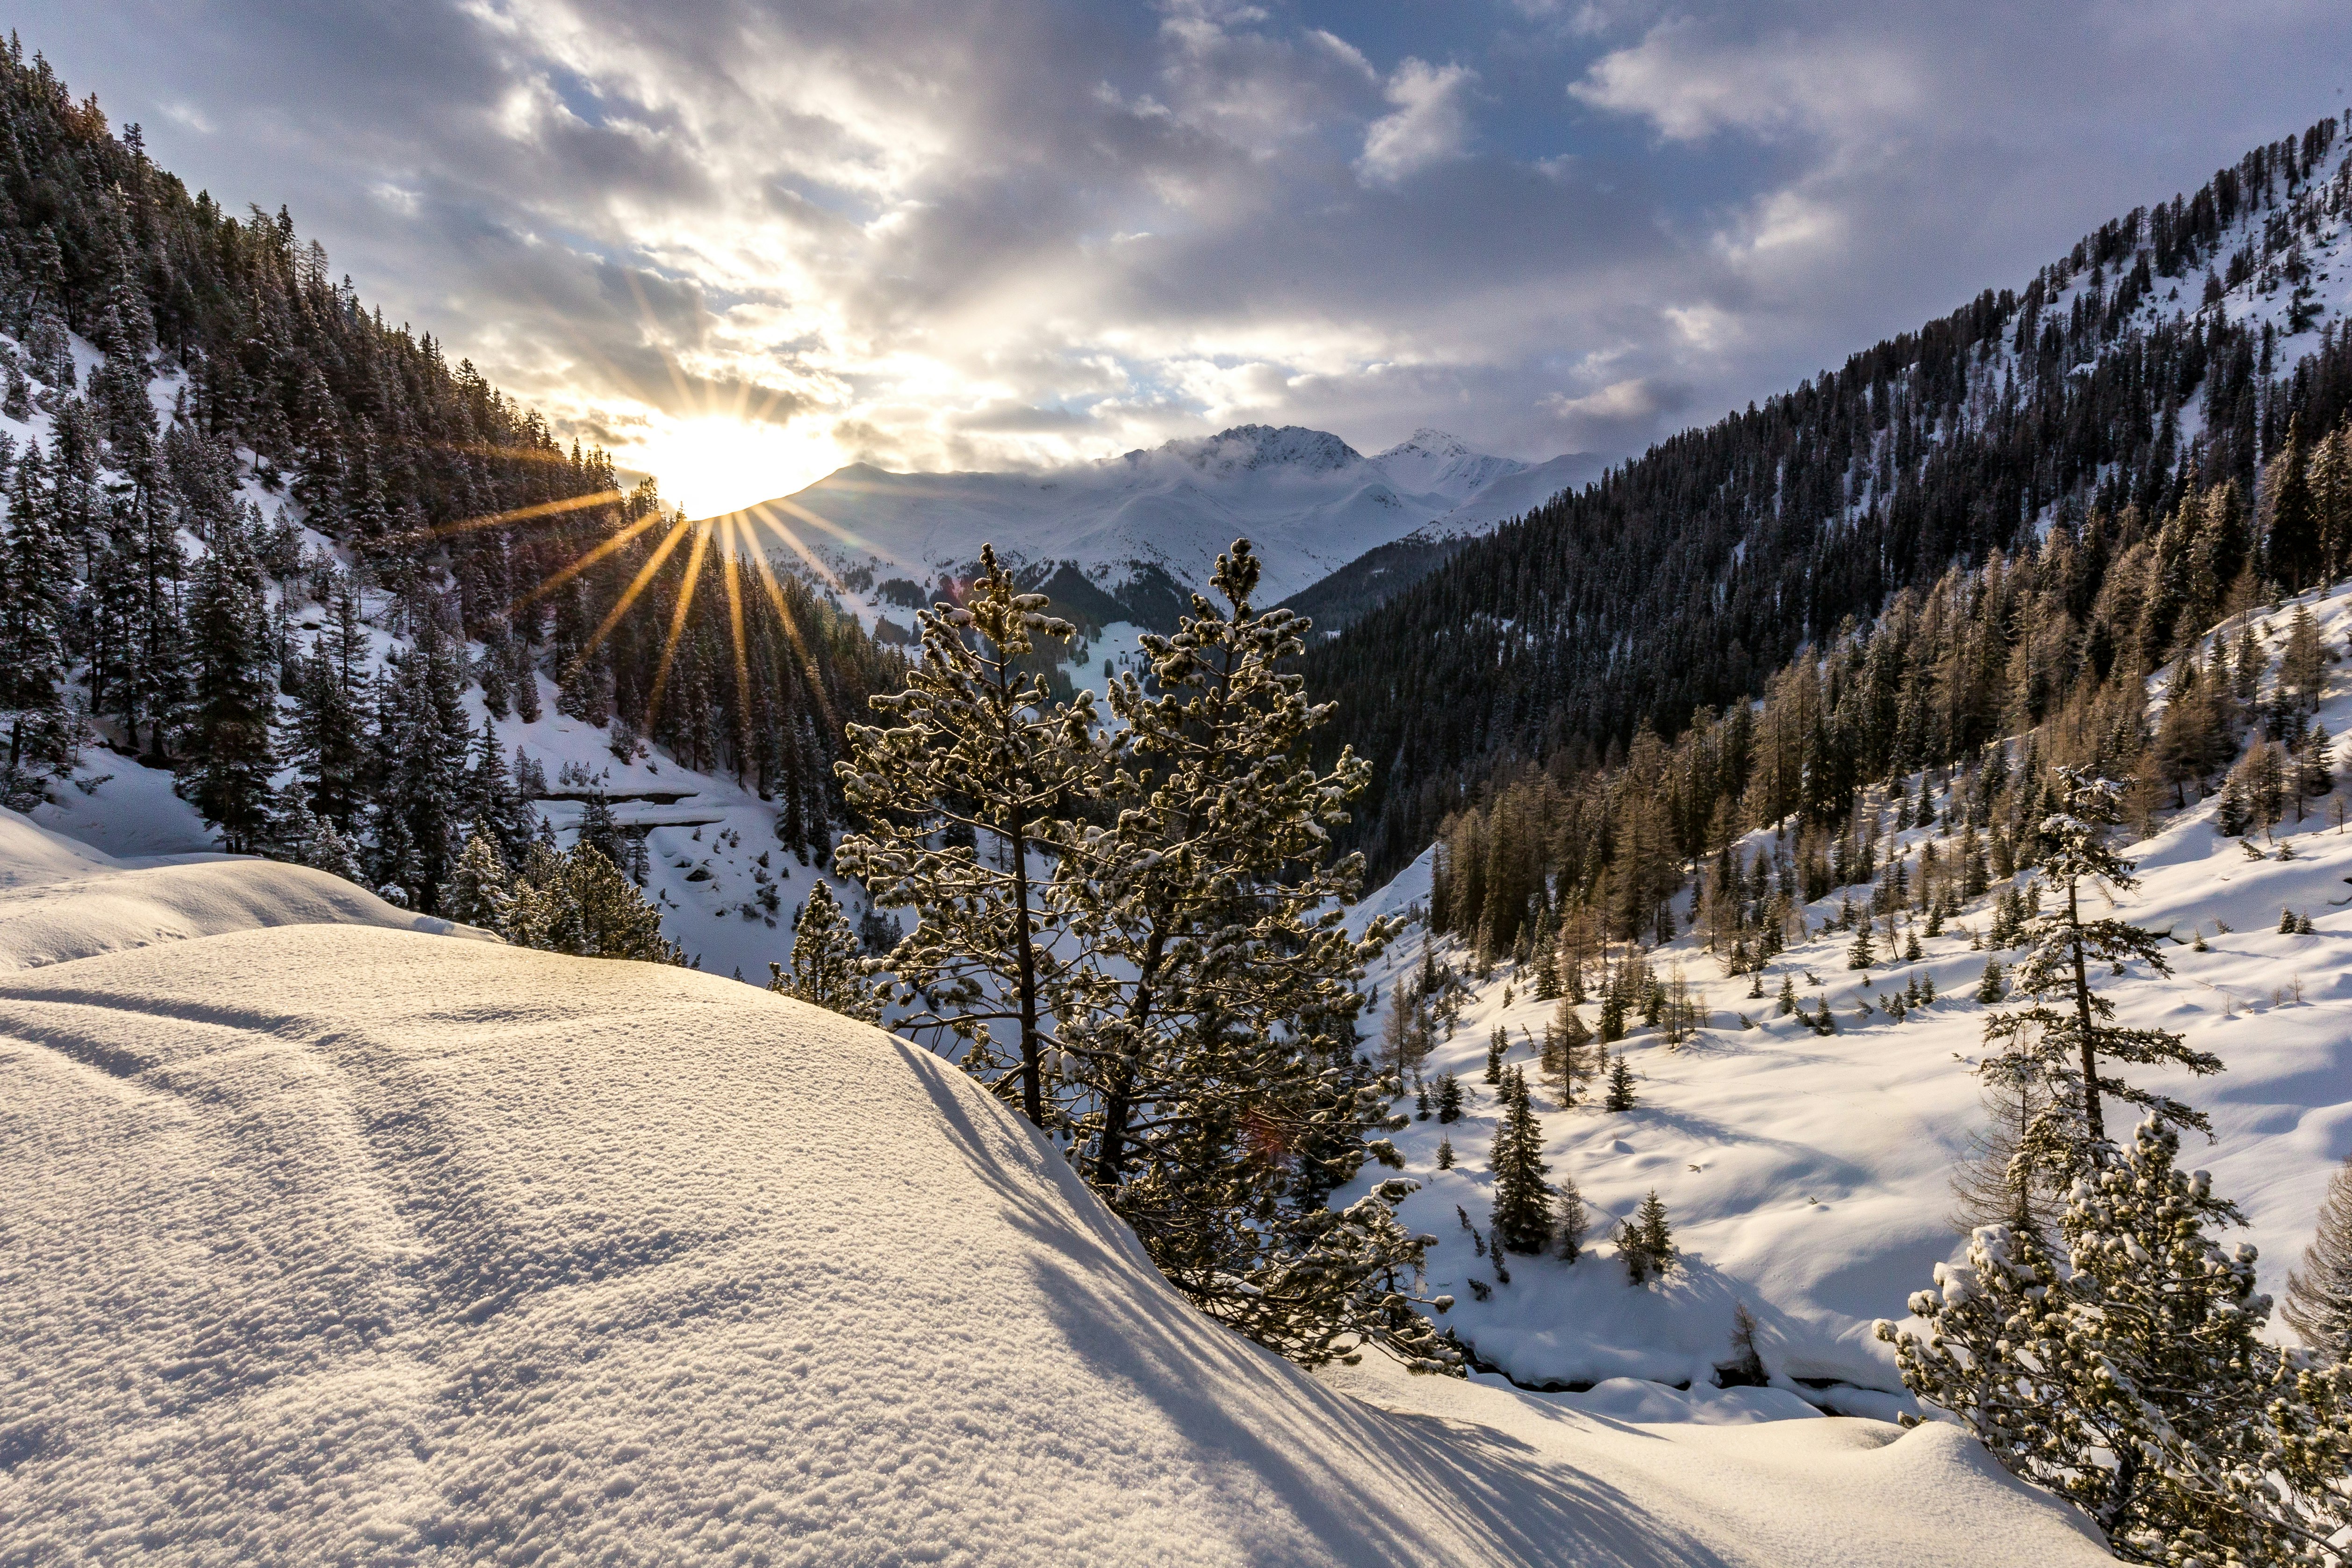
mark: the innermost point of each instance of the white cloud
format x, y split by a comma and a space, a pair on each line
1690, 84
1430, 125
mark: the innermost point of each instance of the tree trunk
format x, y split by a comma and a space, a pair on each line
2082, 1019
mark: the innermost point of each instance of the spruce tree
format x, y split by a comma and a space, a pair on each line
236, 698
480, 888
961, 797
1449, 1098
1573, 1220
1621, 1088
35, 583
2060, 1038
2319, 1294
1521, 1220
825, 969
1863, 953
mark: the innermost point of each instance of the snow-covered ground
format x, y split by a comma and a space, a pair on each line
1808, 1176
330, 1242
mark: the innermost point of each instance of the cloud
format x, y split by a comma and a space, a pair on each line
947, 232
1430, 125
1690, 83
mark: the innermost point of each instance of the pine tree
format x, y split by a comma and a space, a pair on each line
2061, 1036
825, 969
2136, 1384
1522, 1215
580, 903
1787, 1003
1496, 1044
236, 698
978, 748
1444, 1153
1861, 954
1989, 988
2319, 1294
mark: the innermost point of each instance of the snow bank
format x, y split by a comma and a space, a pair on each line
61, 901
344, 1243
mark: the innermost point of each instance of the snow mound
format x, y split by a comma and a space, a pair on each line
341, 1243
61, 901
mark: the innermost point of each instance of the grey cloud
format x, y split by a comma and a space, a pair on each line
980, 234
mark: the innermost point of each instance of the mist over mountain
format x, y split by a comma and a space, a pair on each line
1146, 527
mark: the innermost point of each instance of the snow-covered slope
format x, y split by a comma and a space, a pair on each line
1808, 1176
1308, 501
335, 1243
61, 901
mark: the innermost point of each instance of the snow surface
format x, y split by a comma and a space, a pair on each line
339, 1243
1808, 1176
62, 900
1306, 499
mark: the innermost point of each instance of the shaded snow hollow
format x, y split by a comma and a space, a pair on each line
332, 1242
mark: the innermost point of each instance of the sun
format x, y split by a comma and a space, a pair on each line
715, 463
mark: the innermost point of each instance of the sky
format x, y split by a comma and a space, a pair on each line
740, 243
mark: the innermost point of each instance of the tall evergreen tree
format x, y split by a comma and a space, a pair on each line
235, 706
2319, 1294
1522, 1216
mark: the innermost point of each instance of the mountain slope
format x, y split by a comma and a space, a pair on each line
1808, 1177
332, 1243
2177, 345
1306, 499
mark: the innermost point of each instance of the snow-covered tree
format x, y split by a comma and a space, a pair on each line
480, 888
2319, 1294
2136, 1383
2061, 1036
961, 795
825, 968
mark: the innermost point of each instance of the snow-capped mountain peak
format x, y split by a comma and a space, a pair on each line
1158, 516
1432, 462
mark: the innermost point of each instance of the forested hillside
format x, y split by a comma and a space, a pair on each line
229, 481
2036, 495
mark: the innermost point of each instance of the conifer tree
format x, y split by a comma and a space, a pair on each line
1499, 1042
2060, 1038
825, 969
580, 903
1621, 1088
1522, 1215
236, 698
1449, 1098
1861, 954
480, 888
978, 751
2319, 1294
2136, 1384
35, 579
1574, 1221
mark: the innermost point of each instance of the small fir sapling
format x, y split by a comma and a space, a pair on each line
1444, 1154
1622, 1092
1449, 1098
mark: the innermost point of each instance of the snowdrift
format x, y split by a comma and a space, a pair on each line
338, 1242
61, 901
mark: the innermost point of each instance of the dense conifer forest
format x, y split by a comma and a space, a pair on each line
2008, 516
436, 511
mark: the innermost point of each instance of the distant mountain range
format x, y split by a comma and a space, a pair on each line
1127, 537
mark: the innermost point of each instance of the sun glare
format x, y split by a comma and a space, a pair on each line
716, 464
